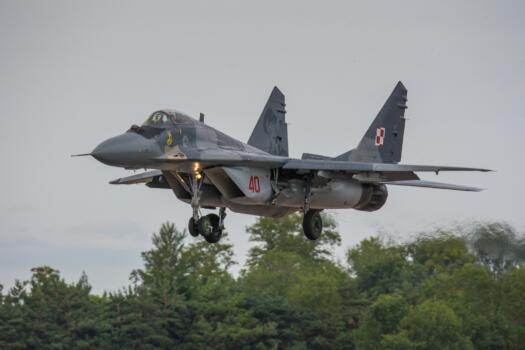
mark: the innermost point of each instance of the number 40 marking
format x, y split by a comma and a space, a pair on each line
254, 185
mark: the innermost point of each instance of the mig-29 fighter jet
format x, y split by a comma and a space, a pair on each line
209, 169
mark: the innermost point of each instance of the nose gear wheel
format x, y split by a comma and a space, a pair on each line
210, 228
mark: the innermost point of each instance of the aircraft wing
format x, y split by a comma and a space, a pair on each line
138, 178
389, 174
386, 173
359, 167
432, 184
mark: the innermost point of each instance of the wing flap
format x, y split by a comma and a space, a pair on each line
432, 184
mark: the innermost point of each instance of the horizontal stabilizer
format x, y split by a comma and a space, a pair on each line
432, 184
137, 179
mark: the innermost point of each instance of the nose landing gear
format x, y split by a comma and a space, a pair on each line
209, 226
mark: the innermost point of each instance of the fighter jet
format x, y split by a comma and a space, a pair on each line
209, 169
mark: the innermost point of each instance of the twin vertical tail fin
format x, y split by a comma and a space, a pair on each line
383, 141
271, 133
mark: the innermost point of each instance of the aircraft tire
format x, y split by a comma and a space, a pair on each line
193, 228
214, 220
214, 237
312, 225
210, 228
204, 226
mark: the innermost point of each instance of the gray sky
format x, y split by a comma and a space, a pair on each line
75, 73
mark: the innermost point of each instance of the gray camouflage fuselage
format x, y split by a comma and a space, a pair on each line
259, 177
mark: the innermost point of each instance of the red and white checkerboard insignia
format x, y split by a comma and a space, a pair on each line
380, 136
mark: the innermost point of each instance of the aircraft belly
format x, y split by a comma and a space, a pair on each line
259, 210
253, 209
338, 194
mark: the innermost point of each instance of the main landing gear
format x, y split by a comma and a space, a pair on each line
312, 224
312, 221
209, 226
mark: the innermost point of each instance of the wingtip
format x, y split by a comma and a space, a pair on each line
476, 189
81, 155
483, 170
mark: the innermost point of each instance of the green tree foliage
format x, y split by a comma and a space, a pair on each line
444, 290
440, 252
161, 263
380, 319
314, 295
513, 306
286, 235
47, 313
140, 321
497, 245
431, 325
379, 267
202, 263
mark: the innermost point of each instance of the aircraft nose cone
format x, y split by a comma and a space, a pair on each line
127, 150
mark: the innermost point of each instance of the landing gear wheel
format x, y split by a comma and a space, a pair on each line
214, 220
193, 228
204, 226
214, 237
312, 224
209, 228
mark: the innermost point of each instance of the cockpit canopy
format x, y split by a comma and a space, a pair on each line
164, 118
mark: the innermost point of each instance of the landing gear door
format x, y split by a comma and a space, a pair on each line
253, 182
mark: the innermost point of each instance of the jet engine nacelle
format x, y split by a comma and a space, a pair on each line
373, 197
336, 194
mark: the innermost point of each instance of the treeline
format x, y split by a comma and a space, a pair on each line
445, 290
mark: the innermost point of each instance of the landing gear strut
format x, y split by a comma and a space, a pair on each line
209, 226
312, 221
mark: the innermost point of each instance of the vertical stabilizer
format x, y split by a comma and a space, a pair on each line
270, 133
383, 141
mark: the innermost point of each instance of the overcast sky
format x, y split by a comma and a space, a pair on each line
74, 73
